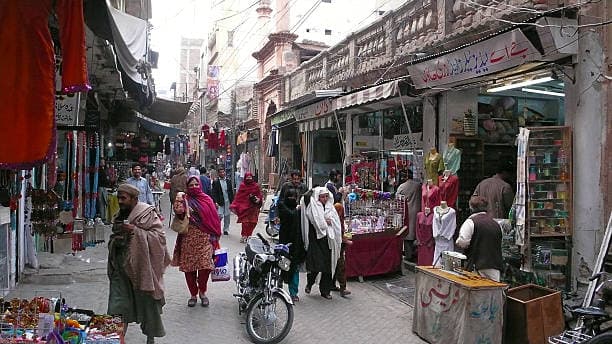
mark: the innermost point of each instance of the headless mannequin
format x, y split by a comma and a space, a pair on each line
444, 227
434, 165
430, 195
427, 210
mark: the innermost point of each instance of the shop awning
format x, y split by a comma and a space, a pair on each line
316, 124
168, 111
157, 127
368, 95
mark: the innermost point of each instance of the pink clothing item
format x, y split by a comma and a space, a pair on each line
203, 211
449, 190
424, 235
430, 197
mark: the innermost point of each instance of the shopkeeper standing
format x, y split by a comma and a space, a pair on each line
332, 185
481, 238
497, 192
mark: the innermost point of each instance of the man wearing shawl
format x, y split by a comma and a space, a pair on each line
137, 260
246, 205
194, 249
322, 235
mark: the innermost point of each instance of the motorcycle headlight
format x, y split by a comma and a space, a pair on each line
284, 263
259, 259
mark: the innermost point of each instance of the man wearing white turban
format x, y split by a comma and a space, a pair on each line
322, 234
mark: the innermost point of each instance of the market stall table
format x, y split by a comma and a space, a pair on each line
374, 254
457, 307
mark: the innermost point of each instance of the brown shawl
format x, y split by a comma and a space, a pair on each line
148, 256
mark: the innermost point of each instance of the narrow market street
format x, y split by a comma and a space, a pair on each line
369, 315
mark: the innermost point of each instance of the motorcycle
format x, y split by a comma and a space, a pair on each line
272, 222
257, 273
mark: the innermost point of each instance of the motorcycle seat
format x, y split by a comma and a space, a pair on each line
590, 311
254, 246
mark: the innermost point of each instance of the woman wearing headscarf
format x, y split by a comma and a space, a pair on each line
194, 249
291, 233
322, 235
246, 205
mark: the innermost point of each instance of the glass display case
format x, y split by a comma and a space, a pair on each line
549, 204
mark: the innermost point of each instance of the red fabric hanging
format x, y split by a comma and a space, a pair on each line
27, 66
222, 139
213, 140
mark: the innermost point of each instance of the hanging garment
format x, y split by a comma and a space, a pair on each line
167, 150
411, 190
27, 67
452, 159
443, 229
449, 190
430, 196
426, 242
222, 139
213, 140
434, 165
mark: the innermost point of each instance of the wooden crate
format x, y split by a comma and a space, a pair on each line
533, 314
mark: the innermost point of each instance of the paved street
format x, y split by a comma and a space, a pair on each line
367, 316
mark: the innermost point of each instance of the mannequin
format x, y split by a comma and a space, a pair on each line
443, 229
424, 236
434, 165
452, 158
430, 195
449, 188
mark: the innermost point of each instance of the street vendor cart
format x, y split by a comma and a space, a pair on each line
457, 307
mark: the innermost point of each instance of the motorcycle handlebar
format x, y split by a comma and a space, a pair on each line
263, 239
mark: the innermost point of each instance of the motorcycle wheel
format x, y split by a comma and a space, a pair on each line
269, 323
602, 338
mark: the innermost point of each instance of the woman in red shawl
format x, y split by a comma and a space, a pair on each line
246, 205
194, 249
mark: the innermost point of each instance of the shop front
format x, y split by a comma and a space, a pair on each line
284, 146
384, 139
502, 110
321, 132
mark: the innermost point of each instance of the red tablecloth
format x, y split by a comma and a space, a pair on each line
374, 254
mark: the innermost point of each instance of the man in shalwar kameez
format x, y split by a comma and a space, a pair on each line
137, 260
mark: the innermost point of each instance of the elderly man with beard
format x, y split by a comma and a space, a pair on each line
137, 259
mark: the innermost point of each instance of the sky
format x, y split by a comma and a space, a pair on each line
171, 20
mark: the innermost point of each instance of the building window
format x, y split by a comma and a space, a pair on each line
327, 32
230, 38
328, 1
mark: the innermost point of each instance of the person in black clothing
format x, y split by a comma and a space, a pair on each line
295, 184
291, 233
481, 237
223, 195
332, 185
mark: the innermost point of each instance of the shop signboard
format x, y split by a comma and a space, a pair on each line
408, 141
66, 108
315, 110
282, 117
493, 55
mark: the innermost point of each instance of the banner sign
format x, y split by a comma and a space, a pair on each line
66, 108
493, 55
315, 110
407, 141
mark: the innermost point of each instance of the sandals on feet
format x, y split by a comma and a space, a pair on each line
307, 289
345, 292
328, 296
192, 302
295, 298
204, 301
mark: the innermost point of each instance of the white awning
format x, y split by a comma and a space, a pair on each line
316, 124
367, 95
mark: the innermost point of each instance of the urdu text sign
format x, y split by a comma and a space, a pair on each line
493, 55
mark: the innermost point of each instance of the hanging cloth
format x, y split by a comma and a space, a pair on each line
222, 139
27, 68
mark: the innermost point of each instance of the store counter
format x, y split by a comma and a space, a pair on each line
457, 308
374, 254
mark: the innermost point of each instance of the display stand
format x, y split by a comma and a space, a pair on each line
375, 221
549, 205
457, 307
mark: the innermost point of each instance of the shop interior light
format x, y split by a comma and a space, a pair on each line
549, 93
520, 84
401, 153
